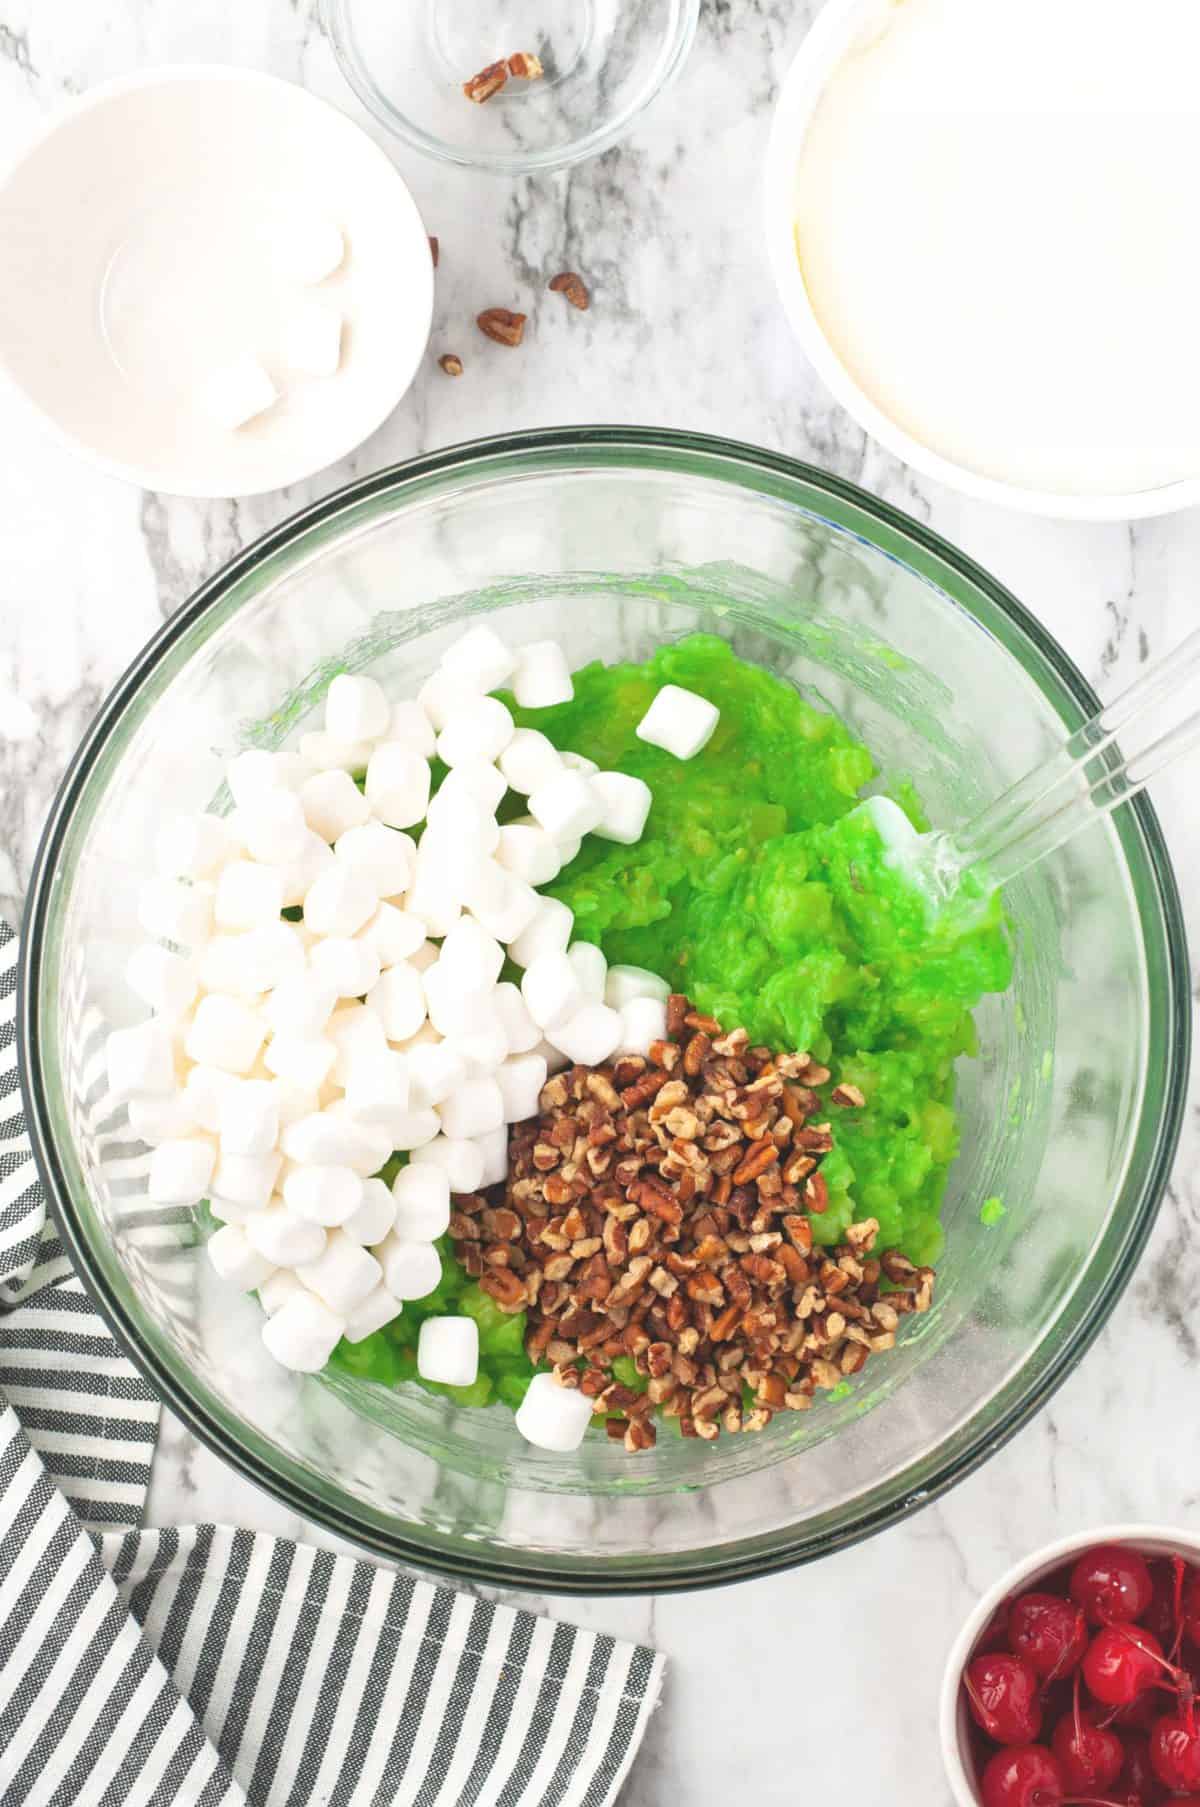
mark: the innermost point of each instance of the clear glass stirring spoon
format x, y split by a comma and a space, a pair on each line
1086, 778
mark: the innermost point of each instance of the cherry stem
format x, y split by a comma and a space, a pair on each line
1177, 1564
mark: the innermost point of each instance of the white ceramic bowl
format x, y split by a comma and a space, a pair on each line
195, 186
842, 25
953, 1722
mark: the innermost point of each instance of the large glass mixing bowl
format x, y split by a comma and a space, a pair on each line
611, 540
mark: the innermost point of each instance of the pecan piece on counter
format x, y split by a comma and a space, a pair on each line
500, 324
570, 285
489, 81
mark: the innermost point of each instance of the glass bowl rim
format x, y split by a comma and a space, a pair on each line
785, 1548
335, 16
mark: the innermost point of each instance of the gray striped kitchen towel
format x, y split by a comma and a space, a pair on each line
202, 1666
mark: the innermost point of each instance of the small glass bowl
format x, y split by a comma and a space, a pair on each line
603, 62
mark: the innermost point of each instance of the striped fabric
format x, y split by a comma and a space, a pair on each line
202, 1666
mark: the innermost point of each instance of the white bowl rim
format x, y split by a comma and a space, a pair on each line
164, 74
839, 23
1156, 1539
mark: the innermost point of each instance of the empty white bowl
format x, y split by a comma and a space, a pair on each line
156, 240
953, 1719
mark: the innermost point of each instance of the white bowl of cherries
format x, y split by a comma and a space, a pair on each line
1074, 1682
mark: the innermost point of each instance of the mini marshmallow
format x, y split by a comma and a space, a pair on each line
472, 955
480, 728
393, 935
376, 1310
679, 721
554, 1057
273, 827
331, 1138
333, 803
249, 1118
551, 1417
624, 983
579, 762
542, 677
398, 997
384, 855
346, 963
254, 773
308, 250
454, 1007
479, 661
397, 784
223, 966
303, 1334
521, 1080
503, 903
165, 1119
301, 1005
485, 1044
434, 1070
339, 901
461, 817
374, 1215
626, 804
477, 779
235, 1260
176, 911
459, 1159
589, 1036
311, 340
180, 1171
548, 932
377, 1090
520, 1030
425, 957
437, 696
304, 1060
566, 806
414, 1127
474, 1109
568, 847
529, 760
237, 392
322, 1194
246, 1179
343, 1274
299, 875
273, 953
448, 1351
247, 895
194, 846
284, 1237
277, 1289
410, 1269
435, 898
551, 990
410, 725
324, 753
357, 1033
369, 1145
204, 1094
528, 852
493, 1147
591, 968
224, 1033
293, 1101
165, 981
421, 1192
643, 1021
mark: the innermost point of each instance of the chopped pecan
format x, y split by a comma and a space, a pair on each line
489, 81
525, 66
501, 324
451, 363
570, 285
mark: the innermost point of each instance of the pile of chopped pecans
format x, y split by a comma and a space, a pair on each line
662, 1209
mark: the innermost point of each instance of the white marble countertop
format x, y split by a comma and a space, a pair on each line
684, 331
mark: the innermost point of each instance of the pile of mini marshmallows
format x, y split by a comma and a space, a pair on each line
285, 1061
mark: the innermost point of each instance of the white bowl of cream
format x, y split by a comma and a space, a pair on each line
981, 220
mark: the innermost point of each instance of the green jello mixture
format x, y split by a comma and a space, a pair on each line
753, 890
